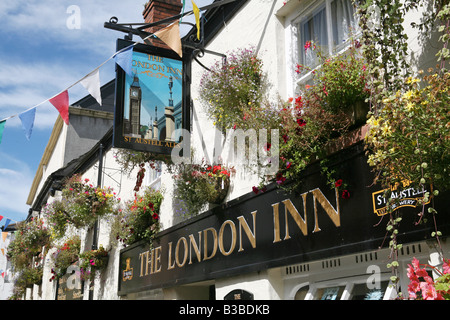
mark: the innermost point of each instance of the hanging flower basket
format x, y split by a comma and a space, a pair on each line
219, 189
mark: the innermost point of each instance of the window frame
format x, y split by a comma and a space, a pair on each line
304, 13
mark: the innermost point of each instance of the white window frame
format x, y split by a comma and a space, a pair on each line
303, 13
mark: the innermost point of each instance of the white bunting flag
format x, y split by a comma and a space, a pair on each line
92, 84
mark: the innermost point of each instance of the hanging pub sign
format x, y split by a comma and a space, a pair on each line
151, 102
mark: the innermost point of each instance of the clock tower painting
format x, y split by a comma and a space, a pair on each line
135, 107
152, 102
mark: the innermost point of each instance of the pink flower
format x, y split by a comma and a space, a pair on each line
307, 45
446, 267
429, 292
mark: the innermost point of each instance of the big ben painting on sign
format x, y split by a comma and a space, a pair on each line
152, 104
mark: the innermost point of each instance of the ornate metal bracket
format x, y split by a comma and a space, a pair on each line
197, 45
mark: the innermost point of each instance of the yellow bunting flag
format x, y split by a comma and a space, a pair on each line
197, 18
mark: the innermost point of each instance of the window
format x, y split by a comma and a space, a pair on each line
328, 25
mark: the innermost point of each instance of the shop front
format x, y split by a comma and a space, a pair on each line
317, 243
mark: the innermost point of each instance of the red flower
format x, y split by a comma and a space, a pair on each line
285, 138
338, 183
255, 190
280, 179
345, 194
288, 165
298, 102
267, 146
155, 216
301, 122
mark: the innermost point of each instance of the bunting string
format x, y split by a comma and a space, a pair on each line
91, 82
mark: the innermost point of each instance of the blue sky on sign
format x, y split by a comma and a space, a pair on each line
46, 46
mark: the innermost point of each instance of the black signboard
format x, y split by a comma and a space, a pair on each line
152, 104
272, 229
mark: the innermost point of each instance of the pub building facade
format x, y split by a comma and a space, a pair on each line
307, 245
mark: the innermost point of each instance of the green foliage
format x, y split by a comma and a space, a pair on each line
234, 92
28, 242
199, 184
92, 261
139, 220
80, 206
65, 255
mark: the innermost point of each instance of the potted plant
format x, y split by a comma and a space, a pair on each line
81, 205
139, 220
234, 91
199, 184
65, 255
92, 261
30, 239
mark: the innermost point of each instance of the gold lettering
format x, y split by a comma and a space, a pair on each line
177, 251
233, 237
170, 264
196, 247
205, 243
250, 235
157, 255
301, 223
333, 213
276, 222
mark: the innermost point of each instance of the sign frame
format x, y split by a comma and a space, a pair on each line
138, 141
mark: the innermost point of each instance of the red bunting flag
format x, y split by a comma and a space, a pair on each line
61, 103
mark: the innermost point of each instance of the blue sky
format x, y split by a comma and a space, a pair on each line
41, 54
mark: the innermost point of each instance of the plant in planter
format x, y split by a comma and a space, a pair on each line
199, 184
324, 111
30, 239
29, 277
234, 92
92, 261
65, 255
80, 206
139, 220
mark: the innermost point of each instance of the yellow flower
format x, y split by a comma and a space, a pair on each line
408, 95
409, 107
386, 130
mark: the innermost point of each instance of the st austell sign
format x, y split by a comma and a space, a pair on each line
271, 229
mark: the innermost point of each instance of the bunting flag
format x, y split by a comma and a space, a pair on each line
1, 217
92, 84
197, 18
27, 118
3, 251
2, 128
124, 59
61, 103
8, 221
170, 35
4, 236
